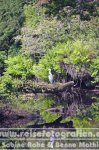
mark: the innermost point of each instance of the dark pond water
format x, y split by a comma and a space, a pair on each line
79, 107
47, 108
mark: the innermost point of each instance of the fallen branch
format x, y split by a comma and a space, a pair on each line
42, 87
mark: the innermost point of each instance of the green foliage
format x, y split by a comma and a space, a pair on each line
46, 34
78, 53
34, 15
52, 30
94, 111
42, 105
54, 7
73, 52
19, 66
79, 122
22, 103
7, 86
94, 68
84, 8
49, 117
11, 19
2, 59
50, 60
46, 31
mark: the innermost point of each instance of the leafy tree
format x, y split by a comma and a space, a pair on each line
18, 69
42, 32
19, 66
82, 7
11, 19
34, 15
71, 52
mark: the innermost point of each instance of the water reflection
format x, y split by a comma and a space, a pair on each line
47, 108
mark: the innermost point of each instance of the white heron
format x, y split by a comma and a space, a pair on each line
50, 77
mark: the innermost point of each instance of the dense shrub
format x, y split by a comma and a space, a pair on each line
11, 19
94, 69
42, 32
94, 111
19, 66
72, 52
34, 15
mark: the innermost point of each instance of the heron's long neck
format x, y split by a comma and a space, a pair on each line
50, 72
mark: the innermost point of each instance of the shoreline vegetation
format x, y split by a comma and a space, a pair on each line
36, 36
